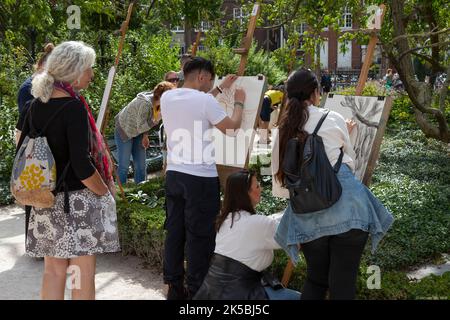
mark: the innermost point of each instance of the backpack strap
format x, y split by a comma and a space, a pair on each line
62, 183
319, 124
30, 122
337, 166
53, 116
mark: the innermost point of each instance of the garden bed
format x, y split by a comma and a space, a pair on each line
412, 179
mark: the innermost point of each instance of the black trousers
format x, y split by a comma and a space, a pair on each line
333, 263
192, 205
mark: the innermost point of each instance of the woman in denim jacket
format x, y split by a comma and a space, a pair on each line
333, 239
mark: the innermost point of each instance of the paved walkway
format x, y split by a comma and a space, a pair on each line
117, 277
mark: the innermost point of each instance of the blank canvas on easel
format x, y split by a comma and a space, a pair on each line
234, 151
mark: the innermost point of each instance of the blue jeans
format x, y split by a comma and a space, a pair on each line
282, 294
125, 150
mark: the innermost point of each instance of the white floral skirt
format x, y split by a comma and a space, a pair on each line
90, 228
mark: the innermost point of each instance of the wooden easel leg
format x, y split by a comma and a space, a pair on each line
288, 270
122, 192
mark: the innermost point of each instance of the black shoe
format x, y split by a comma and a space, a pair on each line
177, 292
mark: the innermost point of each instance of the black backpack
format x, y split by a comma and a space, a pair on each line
309, 176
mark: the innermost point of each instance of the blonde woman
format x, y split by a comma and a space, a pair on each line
132, 126
83, 221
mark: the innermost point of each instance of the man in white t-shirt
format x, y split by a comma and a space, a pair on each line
192, 185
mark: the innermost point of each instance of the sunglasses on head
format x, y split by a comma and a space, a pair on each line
173, 80
249, 178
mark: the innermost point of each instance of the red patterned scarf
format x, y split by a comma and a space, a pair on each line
99, 153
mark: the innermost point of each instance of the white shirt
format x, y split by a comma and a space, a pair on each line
189, 116
334, 135
250, 240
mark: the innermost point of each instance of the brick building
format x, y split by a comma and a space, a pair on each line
270, 39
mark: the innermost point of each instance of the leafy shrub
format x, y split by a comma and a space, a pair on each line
283, 56
226, 62
5, 194
11, 77
413, 180
141, 221
402, 112
394, 285
269, 204
372, 88
260, 62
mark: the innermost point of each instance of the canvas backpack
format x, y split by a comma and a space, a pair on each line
309, 176
33, 179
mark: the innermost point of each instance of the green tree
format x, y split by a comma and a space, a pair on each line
420, 30
189, 13
412, 29
316, 15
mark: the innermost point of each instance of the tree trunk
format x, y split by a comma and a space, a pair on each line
420, 93
434, 38
318, 60
187, 35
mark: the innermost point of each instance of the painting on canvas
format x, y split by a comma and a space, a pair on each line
366, 112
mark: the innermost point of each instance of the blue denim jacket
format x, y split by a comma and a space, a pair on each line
357, 208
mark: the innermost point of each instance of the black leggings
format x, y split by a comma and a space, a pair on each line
333, 263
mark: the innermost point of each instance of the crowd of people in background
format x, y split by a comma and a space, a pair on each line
227, 246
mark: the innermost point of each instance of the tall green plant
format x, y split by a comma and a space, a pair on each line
226, 61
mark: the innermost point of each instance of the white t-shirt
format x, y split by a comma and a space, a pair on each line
189, 117
250, 240
334, 135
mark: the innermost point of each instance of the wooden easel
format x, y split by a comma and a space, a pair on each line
196, 43
103, 117
225, 171
247, 40
369, 55
289, 269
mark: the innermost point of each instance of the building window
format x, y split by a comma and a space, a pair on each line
204, 26
301, 28
178, 29
238, 13
346, 21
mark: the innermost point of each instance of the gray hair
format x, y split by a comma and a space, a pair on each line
66, 63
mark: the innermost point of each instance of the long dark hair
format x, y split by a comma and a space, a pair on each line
236, 196
299, 87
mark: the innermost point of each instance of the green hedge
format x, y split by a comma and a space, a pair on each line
141, 221
402, 113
